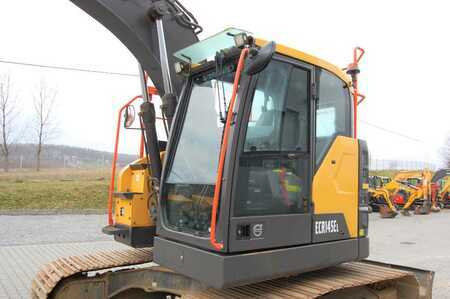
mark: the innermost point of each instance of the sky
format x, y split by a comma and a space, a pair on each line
404, 73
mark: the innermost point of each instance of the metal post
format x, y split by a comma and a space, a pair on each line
163, 57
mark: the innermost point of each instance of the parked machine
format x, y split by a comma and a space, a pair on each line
390, 196
421, 180
440, 187
444, 193
380, 198
262, 177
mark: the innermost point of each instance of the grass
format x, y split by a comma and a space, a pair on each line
64, 188
54, 189
388, 173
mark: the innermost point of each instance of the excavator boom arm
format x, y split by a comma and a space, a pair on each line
133, 23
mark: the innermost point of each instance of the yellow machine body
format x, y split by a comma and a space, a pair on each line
421, 179
133, 212
335, 187
383, 194
445, 190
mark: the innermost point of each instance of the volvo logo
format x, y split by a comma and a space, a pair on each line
258, 230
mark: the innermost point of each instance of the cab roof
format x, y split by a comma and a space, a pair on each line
299, 55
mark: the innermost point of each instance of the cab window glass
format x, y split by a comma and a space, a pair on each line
295, 124
279, 115
264, 126
332, 112
270, 181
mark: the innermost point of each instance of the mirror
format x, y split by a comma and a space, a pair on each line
129, 117
259, 61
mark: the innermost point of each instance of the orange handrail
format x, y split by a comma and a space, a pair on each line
353, 69
223, 149
113, 167
357, 58
151, 91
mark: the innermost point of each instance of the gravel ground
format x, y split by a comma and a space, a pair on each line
44, 229
416, 241
420, 241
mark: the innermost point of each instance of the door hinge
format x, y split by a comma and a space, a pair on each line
314, 91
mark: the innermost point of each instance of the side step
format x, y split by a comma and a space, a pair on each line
113, 230
134, 236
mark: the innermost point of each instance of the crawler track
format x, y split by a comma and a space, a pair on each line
55, 272
68, 277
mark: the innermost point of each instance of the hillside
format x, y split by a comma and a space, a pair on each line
60, 156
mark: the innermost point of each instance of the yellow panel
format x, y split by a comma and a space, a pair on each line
138, 183
281, 49
335, 185
133, 212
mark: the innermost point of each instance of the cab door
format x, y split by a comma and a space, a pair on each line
272, 193
335, 192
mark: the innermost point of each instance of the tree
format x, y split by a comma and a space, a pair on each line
9, 112
445, 152
44, 123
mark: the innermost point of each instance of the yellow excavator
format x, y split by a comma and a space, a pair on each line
390, 196
407, 190
423, 182
440, 187
260, 190
406, 196
444, 193
380, 198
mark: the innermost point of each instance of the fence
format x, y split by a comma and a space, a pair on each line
384, 164
105, 161
66, 162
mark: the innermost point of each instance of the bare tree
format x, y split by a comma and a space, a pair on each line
445, 152
44, 123
9, 112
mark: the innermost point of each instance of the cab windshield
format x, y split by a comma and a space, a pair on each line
206, 49
191, 178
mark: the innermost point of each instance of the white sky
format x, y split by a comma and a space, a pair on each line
404, 72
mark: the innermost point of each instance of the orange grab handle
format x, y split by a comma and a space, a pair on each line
223, 149
356, 57
357, 97
113, 167
361, 98
152, 91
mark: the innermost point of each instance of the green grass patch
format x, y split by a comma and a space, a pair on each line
54, 189
388, 173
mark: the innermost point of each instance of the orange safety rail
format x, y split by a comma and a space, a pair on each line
113, 167
151, 91
223, 149
353, 70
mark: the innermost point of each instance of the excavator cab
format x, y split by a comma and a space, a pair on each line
262, 168
263, 175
